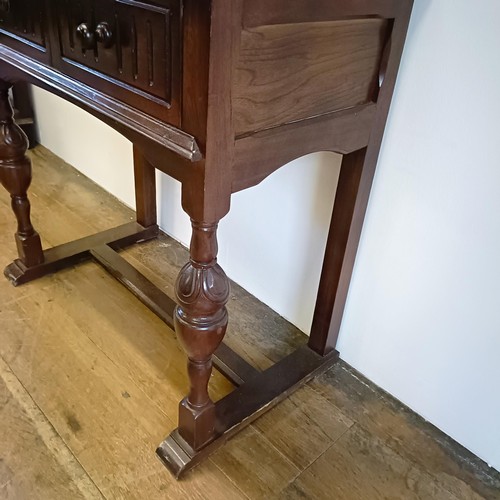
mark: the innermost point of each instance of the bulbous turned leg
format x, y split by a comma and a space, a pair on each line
202, 291
15, 176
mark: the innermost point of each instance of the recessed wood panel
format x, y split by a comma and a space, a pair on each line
23, 27
139, 52
23, 19
291, 72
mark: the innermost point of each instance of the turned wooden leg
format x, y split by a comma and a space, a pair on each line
15, 176
202, 291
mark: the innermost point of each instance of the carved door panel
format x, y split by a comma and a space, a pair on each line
23, 27
128, 48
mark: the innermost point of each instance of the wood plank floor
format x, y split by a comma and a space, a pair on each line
90, 380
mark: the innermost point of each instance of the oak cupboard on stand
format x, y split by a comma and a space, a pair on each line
217, 94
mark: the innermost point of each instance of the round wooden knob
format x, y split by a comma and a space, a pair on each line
86, 36
104, 34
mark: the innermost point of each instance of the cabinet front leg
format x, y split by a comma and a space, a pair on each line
202, 291
15, 176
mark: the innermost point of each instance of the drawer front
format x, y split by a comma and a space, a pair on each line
23, 26
128, 48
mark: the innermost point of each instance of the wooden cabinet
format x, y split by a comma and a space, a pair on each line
218, 94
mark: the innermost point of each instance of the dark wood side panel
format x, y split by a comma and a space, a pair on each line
207, 196
260, 154
195, 68
291, 72
264, 12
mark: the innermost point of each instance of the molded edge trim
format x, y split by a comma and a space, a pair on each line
155, 130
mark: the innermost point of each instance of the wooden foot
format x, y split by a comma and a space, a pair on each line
246, 404
15, 176
202, 291
77, 251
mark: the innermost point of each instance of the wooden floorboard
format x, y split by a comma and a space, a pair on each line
90, 380
35, 462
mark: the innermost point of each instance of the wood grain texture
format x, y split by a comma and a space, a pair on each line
378, 472
291, 72
206, 198
322, 423
202, 287
408, 435
79, 410
252, 462
92, 406
35, 462
259, 155
103, 380
263, 12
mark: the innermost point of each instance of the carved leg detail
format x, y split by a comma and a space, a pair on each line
202, 291
15, 176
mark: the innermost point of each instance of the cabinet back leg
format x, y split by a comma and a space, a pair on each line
337, 270
145, 190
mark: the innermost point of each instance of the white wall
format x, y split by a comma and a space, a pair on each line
423, 314
87, 144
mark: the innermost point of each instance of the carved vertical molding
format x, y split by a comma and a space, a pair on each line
15, 176
202, 291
